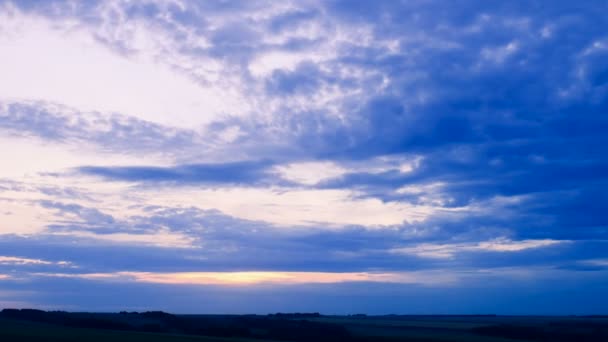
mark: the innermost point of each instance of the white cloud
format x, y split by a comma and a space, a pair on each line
162, 238
310, 173
20, 217
284, 206
10, 260
499, 54
62, 62
266, 63
448, 251
596, 262
30, 157
403, 164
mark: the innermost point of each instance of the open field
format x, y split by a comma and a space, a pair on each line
35, 325
11, 330
471, 328
417, 329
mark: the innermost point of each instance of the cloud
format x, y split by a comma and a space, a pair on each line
254, 278
108, 132
309, 173
83, 213
500, 245
305, 140
519, 297
247, 172
81, 72
191, 240
11, 260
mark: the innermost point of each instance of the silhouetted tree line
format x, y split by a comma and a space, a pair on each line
65, 319
294, 326
295, 315
291, 327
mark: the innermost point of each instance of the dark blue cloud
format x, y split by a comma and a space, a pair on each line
218, 242
304, 79
109, 133
245, 172
86, 214
292, 19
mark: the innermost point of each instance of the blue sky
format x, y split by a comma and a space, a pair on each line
333, 156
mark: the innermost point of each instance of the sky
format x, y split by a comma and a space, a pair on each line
405, 157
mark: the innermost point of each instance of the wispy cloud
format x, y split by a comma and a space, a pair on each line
500, 245
11, 260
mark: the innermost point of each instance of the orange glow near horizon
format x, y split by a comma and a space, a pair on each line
250, 278
265, 277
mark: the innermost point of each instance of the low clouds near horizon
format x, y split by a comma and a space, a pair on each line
381, 157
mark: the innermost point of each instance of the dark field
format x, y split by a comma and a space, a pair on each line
34, 325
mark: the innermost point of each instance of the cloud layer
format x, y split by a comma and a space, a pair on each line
309, 147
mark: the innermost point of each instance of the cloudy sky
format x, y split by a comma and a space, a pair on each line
333, 156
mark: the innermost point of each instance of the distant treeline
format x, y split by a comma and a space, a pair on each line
295, 315
311, 327
280, 326
66, 319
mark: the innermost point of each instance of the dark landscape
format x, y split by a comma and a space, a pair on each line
36, 325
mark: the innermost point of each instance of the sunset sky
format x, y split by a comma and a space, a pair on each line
334, 156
